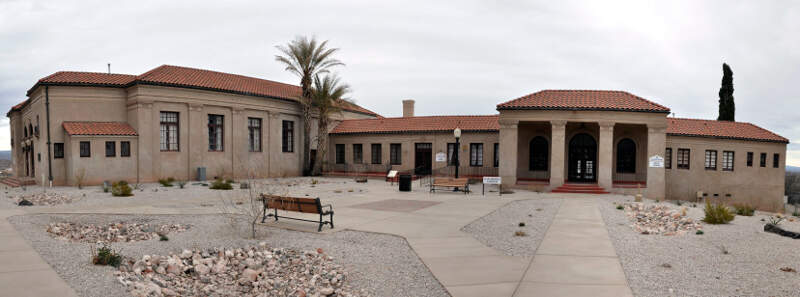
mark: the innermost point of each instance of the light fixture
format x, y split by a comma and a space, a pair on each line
457, 132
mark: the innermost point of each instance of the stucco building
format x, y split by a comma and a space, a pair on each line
172, 120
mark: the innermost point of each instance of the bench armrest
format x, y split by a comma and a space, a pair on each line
330, 207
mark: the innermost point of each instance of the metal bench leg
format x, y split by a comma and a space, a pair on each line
276, 214
320, 223
264, 213
331, 220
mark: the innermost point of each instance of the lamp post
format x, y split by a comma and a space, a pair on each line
457, 134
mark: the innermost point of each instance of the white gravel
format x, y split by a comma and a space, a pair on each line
384, 265
497, 228
698, 265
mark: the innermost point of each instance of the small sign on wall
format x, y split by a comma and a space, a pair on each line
656, 161
441, 157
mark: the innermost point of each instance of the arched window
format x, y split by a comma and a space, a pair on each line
25, 132
539, 154
626, 156
30, 130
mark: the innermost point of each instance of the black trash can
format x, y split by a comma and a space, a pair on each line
405, 183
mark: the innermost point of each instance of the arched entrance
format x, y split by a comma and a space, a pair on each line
582, 158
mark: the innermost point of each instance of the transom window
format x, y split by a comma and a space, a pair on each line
254, 137
395, 154
727, 160
626, 156
169, 131
711, 160
668, 158
358, 153
476, 154
683, 158
215, 132
376, 153
539, 151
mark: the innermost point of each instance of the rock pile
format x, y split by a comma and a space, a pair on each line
113, 232
250, 271
48, 199
659, 219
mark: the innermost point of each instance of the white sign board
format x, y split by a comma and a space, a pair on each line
392, 174
657, 161
491, 180
441, 157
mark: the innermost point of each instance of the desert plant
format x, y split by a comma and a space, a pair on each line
221, 185
699, 232
744, 209
314, 181
521, 224
775, 220
520, 233
121, 189
80, 176
106, 256
163, 237
678, 202
166, 182
182, 184
620, 207
717, 214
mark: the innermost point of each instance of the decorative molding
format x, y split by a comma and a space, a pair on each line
195, 107
606, 125
558, 124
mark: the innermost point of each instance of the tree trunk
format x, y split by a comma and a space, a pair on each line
305, 84
322, 144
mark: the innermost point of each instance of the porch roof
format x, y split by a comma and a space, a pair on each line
99, 128
583, 100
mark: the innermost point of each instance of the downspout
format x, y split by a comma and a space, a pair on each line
49, 148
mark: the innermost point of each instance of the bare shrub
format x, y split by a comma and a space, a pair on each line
247, 205
80, 176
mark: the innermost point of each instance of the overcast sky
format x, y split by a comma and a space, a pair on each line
461, 57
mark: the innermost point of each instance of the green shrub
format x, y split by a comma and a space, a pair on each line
221, 185
620, 207
699, 232
106, 256
717, 214
744, 209
166, 182
162, 237
121, 189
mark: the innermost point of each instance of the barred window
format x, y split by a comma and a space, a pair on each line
215, 133
727, 160
358, 153
58, 150
125, 148
668, 158
476, 154
763, 160
395, 154
683, 158
254, 134
111, 149
287, 138
376, 153
86, 149
169, 131
339, 153
711, 160
749, 159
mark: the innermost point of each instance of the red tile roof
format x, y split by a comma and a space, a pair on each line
99, 128
583, 100
176, 76
721, 129
483, 123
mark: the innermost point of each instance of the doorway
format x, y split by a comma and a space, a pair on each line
582, 158
423, 158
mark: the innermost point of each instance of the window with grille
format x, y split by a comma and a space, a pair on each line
86, 149
668, 158
125, 148
763, 160
476, 154
287, 138
711, 160
169, 131
339, 153
776, 158
58, 150
358, 153
626, 156
254, 134
727, 160
683, 158
749, 159
111, 149
376, 153
215, 133
395, 154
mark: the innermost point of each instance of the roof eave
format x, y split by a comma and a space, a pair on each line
729, 138
499, 108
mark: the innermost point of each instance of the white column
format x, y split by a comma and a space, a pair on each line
509, 134
558, 135
656, 144
605, 151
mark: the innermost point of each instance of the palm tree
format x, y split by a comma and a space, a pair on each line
327, 96
307, 59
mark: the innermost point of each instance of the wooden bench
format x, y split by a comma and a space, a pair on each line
454, 183
295, 204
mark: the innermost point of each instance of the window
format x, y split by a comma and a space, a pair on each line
215, 134
683, 158
711, 160
727, 161
451, 154
287, 140
58, 150
749, 159
86, 149
376, 153
111, 149
496, 155
395, 154
125, 148
339, 153
763, 160
668, 158
626, 156
254, 129
476, 154
539, 153
358, 153
776, 158
169, 131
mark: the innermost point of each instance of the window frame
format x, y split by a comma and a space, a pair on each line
728, 160
376, 158
254, 131
87, 152
710, 157
165, 144
668, 158
123, 152
218, 132
395, 154
339, 153
776, 160
476, 154
287, 136
113, 149
496, 154
358, 154
750, 157
58, 150
684, 162
763, 160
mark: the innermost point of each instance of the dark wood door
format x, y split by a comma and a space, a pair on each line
582, 158
423, 158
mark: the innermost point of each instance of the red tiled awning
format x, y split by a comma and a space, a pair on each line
99, 128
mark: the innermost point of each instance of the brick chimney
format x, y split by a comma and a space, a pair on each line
408, 108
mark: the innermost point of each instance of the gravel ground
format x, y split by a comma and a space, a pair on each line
699, 266
384, 265
497, 228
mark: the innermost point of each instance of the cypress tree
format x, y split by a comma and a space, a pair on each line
727, 109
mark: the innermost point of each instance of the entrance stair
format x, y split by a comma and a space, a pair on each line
577, 188
14, 182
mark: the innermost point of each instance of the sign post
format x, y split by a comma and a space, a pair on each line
492, 180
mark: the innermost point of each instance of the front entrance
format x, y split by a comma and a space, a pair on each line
423, 158
582, 158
